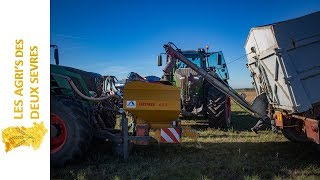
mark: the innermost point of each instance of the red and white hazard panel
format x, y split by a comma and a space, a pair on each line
170, 135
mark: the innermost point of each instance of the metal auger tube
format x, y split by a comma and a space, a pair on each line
255, 110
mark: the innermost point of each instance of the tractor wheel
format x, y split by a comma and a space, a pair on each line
218, 108
71, 131
295, 133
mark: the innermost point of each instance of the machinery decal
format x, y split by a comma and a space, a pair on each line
170, 135
131, 104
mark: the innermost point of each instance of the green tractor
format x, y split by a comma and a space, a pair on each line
80, 106
199, 99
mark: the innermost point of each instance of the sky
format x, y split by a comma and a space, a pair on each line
116, 37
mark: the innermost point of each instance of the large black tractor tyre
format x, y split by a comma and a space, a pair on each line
217, 111
294, 133
72, 131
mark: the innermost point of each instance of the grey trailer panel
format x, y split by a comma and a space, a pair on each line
286, 62
306, 61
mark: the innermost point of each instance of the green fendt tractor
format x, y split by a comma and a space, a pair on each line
80, 105
199, 99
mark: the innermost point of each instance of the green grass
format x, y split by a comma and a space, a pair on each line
218, 154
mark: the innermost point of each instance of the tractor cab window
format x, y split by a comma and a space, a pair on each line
195, 60
181, 65
217, 61
195, 57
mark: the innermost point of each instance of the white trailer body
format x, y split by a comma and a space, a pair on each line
284, 61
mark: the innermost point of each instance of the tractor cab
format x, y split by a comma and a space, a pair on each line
196, 93
211, 61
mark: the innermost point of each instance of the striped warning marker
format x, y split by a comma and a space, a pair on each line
170, 135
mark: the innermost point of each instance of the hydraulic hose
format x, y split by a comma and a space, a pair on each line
74, 87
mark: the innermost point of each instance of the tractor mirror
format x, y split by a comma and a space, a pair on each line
219, 59
159, 60
56, 56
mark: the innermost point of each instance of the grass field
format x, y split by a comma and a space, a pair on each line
233, 154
